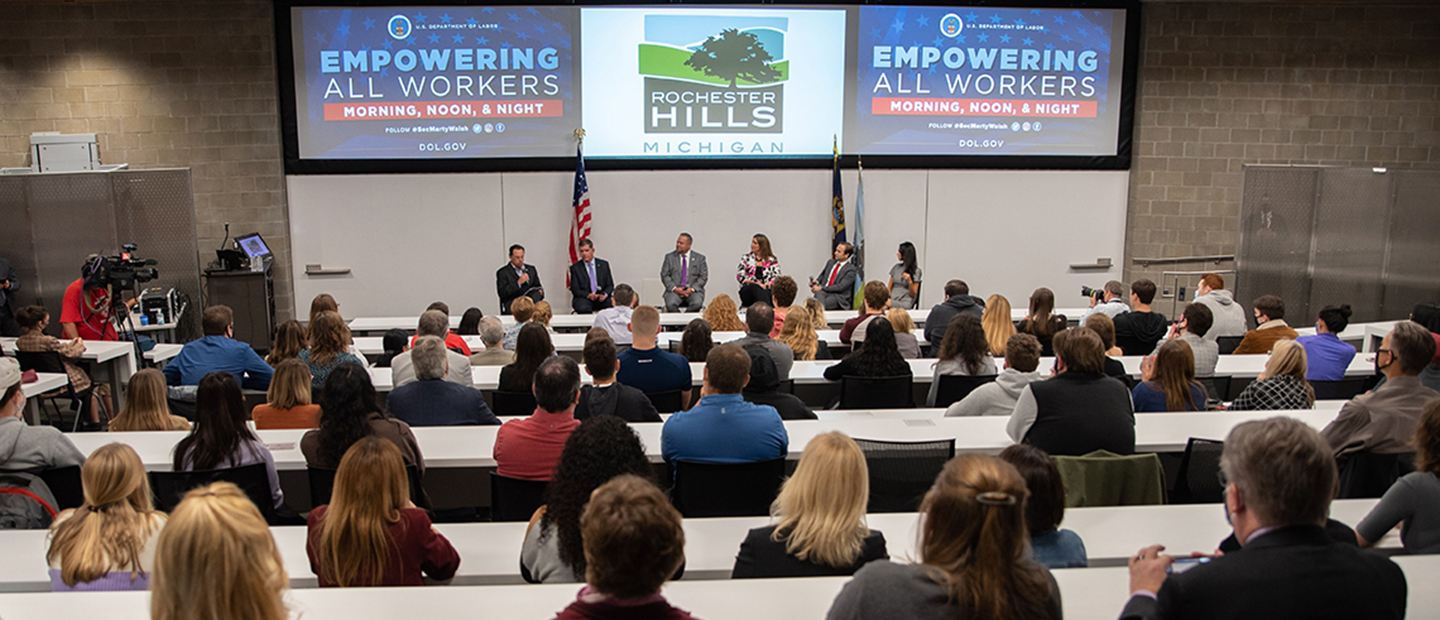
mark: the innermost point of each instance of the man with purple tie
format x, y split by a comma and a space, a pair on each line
590, 281
684, 275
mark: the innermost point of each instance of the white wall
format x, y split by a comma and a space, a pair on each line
412, 239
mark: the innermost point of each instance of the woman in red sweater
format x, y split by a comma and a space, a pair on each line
371, 534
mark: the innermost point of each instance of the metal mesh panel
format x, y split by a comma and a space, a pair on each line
1276, 218
1411, 276
155, 210
1350, 231
70, 217
15, 240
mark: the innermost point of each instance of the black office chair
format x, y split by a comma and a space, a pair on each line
665, 402
876, 392
50, 361
954, 388
65, 485
1227, 344
1367, 474
726, 489
1217, 388
171, 486
322, 485
1197, 479
786, 387
513, 499
902, 471
512, 403
1344, 389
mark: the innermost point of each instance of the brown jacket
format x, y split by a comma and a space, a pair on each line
385, 427
1263, 338
1382, 421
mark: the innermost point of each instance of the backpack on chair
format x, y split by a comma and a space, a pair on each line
25, 502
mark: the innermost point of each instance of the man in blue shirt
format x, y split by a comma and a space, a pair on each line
218, 351
723, 427
645, 367
430, 400
1327, 356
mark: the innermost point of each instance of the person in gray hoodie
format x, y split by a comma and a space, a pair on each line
1229, 316
1022, 356
24, 447
957, 299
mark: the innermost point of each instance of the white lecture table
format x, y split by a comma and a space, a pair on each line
472, 446
575, 343
118, 355
45, 381
490, 552
1086, 594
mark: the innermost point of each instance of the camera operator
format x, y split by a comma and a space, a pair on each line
9, 285
85, 311
1110, 302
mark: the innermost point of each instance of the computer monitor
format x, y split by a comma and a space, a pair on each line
253, 246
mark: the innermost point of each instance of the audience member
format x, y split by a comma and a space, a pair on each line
645, 367
634, 542
218, 350
1229, 317
543, 314
322, 303
531, 348
108, 543
819, 518
1281, 385
434, 323
329, 340
521, 310
9, 285
756, 273
817, 313
1167, 380
349, 412
32, 321
1194, 323
287, 403
783, 293
1080, 409
1022, 357
431, 400
515, 280
492, 334
221, 439
290, 340
216, 560
957, 299
371, 534
1111, 302
798, 333
146, 407
1105, 329
454, 342
1271, 327
1279, 478
24, 447
528, 448
876, 299
1137, 331
1428, 316
1413, 502
722, 427
606, 396
1383, 421
764, 388
835, 286
394, 342
874, 358
965, 351
722, 315
696, 341
470, 323
999, 327
684, 274
973, 555
598, 450
590, 283
905, 278
758, 320
1045, 509
904, 333
615, 320
1041, 322
1329, 357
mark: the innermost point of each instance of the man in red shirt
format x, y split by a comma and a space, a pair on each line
529, 448
85, 311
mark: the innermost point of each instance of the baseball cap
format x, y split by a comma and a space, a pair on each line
9, 372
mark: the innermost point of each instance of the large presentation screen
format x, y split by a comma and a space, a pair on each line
511, 84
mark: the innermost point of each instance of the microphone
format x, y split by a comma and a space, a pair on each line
227, 235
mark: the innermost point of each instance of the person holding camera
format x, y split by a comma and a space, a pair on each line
1108, 300
9, 285
85, 310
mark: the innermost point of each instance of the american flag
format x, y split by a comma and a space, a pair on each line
580, 224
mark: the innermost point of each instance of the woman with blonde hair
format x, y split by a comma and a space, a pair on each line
816, 308
722, 315
371, 534
216, 560
108, 543
1041, 322
974, 555
1281, 385
329, 342
146, 407
1168, 380
819, 518
904, 332
798, 333
543, 313
999, 327
287, 402
290, 340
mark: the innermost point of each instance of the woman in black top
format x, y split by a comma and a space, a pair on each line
820, 515
878, 356
532, 346
1042, 323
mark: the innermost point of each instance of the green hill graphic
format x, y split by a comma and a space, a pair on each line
665, 61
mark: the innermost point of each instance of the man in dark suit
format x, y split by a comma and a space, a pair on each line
1280, 476
684, 275
590, 281
9, 285
836, 285
516, 279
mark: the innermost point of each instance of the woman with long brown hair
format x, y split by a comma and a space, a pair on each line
1041, 322
964, 351
371, 534
329, 345
216, 560
108, 543
287, 402
146, 408
1168, 380
696, 341
722, 315
999, 327
532, 346
220, 439
974, 555
323, 303
290, 340
757, 272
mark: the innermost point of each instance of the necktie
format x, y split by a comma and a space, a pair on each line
833, 273
684, 270
590, 266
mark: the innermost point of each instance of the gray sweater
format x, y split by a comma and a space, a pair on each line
1413, 502
884, 589
32, 448
1229, 315
995, 398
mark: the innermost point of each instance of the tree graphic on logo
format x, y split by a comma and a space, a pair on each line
733, 55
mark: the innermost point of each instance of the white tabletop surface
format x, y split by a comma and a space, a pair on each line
45, 381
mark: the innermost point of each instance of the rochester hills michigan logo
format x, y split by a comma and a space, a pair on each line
714, 74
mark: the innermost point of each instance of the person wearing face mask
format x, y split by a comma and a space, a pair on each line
1383, 421
1270, 327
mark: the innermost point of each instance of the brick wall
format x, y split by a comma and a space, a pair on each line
1224, 85
164, 84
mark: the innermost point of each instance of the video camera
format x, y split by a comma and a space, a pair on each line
121, 272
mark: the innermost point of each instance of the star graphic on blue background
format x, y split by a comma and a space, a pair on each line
1027, 41
514, 17
1059, 20
533, 11
420, 17
364, 48
938, 41
369, 23
1004, 38
320, 38
1065, 38
445, 19
874, 33
410, 41
505, 45
961, 38
1083, 32
1019, 22
898, 25
459, 38
388, 44
1049, 46
1035, 11
343, 30
539, 28
1076, 13
995, 19
982, 37
972, 16
488, 10
481, 40
434, 38
472, 21
933, 68
523, 36
384, 71
923, 21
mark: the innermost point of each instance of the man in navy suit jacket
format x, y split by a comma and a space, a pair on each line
587, 297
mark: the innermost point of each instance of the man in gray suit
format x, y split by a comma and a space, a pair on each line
836, 285
684, 274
